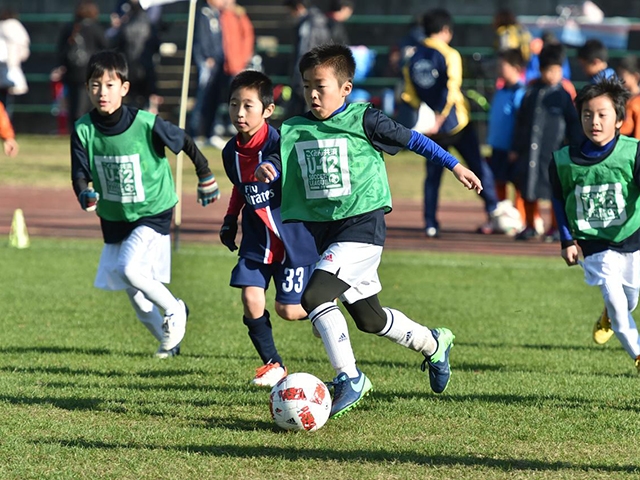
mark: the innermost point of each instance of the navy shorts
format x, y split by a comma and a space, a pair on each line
290, 282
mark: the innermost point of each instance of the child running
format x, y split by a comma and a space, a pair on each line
334, 180
269, 249
121, 151
596, 198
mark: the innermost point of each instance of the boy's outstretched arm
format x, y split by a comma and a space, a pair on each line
467, 178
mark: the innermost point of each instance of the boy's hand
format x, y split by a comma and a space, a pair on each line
89, 199
266, 173
228, 232
208, 191
467, 178
11, 147
570, 255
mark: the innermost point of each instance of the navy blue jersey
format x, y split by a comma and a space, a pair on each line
265, 239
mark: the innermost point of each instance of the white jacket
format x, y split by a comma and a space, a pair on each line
14, 47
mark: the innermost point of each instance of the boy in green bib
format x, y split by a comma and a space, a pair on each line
596, 197
334, 180
120, 150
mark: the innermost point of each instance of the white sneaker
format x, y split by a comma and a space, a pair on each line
162, 354
268, 375
174, 328
431, 232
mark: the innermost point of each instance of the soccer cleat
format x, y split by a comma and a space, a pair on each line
438, 363
174, 327
162, 354
638, 364
347, 392
268, 375
602, 331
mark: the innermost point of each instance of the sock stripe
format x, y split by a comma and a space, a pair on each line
314, 315
389, 325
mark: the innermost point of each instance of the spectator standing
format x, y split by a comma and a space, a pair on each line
509, 33
312, 29
502, 116
77, 42
546, 118
339, 12
629, 72
594, 60
208, 54
16, 40
137, 39
7, 134
433, 75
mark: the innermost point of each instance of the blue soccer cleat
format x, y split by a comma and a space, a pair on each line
347, 392
438, 363
162, 354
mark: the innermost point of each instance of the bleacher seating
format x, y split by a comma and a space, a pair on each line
376, 24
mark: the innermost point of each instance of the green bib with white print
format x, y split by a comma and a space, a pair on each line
132, 179
330, 169
602, 201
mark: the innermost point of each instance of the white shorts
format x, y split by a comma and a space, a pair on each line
607, 266
146, 249
356, 264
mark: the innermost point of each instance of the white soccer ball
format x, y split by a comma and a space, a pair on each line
300, 401
506, 219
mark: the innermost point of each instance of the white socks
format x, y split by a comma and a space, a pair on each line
146, 312
404, 331
620, 301
332, 327
153, 290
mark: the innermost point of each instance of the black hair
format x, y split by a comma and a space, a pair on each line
434, 21
338, 57
337, 5
254, 80
552, 54
592, 50
108, 61
629, 64
513, 56
293, 4
611, 87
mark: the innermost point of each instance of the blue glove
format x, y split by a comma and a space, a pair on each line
88, 199
208, 191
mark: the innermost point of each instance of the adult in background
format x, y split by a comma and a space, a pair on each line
137, 38
208, 55
433, 76
16, 42
339, 12
77, 42
312, 30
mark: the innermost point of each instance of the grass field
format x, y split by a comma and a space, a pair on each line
531, 395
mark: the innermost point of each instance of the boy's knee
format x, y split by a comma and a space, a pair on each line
290, 312
368, 315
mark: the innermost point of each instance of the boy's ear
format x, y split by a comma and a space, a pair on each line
125, 88
268, 111
347, 87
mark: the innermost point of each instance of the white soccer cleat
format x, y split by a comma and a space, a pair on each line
162, 354
174, 327
268, 375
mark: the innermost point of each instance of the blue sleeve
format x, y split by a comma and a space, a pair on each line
423, 145
563, 222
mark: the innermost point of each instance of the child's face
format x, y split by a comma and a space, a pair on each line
551, 75
510, 73
246, 111
322, 91
630, 79
599, 121
106, 93
592, 68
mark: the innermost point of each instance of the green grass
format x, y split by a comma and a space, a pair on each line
531, 395
44, 161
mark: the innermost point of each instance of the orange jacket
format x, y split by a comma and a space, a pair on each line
6, 129
237, 39
631, 124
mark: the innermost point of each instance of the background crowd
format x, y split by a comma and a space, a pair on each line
531, 113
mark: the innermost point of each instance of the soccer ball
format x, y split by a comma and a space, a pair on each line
506, 219
300, 401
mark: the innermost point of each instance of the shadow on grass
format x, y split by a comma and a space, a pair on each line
350, 456
156, 373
